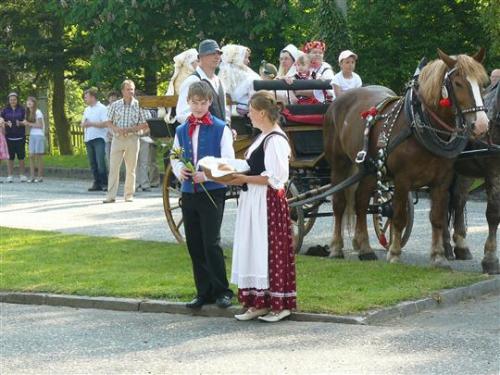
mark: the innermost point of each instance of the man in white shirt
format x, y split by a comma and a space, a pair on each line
94, 124
209, 55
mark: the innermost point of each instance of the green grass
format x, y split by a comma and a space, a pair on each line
39, 261
66, 161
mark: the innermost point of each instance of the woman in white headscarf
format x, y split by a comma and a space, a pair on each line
185, 64
288, 57
236, 76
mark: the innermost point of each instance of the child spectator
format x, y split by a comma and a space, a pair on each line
15, 134
34, 119
4, 151
203, 134
346, 79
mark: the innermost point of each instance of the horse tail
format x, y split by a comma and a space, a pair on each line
349, 217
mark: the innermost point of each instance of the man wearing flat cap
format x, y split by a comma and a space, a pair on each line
209, 55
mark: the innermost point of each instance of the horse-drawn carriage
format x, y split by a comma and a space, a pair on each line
406, 143
310, 173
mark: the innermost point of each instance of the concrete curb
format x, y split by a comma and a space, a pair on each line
439, 299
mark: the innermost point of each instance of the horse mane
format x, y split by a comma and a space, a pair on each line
432, 76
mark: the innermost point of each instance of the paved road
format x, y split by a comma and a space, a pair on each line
65, 205
463, 340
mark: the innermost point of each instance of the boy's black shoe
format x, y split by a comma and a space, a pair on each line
223, 302
95, 188
196, 303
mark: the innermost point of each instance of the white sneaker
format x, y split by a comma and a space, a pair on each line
10, 179
23, 178
251, 314
273, 317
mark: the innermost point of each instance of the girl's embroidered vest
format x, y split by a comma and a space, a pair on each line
256, 160
209, 139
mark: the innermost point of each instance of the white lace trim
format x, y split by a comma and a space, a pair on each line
261, 293
243, 282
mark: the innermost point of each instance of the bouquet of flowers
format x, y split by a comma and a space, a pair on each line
178, 154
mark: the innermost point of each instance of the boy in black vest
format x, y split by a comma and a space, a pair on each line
203, 134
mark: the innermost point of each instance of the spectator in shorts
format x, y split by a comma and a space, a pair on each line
15, 134
34, 120
95, 127
346, 79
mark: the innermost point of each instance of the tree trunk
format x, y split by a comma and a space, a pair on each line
43, 105
150, 79
60, 120
61, 123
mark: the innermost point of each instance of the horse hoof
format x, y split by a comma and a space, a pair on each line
491, 267
448, 252
462, 253
394, 259
441, 263
367, 256
339, 255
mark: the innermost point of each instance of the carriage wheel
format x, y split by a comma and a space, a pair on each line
386, 225
172, 204
297, 217
312, 210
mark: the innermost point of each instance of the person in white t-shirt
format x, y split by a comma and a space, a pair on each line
94, 124
346, 79
34, 119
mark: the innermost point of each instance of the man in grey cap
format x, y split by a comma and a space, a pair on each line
209, 55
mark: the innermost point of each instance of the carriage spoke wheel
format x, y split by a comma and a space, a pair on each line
387, 228
297, 218
172, 204
312, 210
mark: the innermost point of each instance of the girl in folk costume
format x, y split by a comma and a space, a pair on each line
263, 264
303, 65
185, 64
236, 76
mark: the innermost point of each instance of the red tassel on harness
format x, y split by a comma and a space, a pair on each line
371, 112
445, 102
382, 240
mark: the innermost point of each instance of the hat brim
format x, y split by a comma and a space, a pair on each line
219, 51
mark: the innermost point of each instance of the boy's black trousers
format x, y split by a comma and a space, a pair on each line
202, 222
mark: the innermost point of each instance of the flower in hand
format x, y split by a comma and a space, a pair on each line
189, 171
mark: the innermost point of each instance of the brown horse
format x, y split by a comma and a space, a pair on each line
467, 169
409, 165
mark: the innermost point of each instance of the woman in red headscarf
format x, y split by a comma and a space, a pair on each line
319, 70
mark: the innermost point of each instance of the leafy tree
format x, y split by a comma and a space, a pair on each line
332, 28
41, 42
391, 36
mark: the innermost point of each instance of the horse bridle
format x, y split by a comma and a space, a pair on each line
449, 88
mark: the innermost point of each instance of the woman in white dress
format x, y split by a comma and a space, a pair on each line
263, 264
185, 64
237, 77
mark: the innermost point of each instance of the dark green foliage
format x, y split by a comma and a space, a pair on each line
391, 36
333, 30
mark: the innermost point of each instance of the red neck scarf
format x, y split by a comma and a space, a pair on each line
194, 122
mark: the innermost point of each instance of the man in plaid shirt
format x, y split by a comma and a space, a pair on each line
127, 121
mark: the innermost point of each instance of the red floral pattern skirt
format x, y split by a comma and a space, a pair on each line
282, 292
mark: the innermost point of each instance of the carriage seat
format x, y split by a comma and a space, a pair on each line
308, 114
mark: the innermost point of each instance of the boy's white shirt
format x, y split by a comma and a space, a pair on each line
347, 83
226, 149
